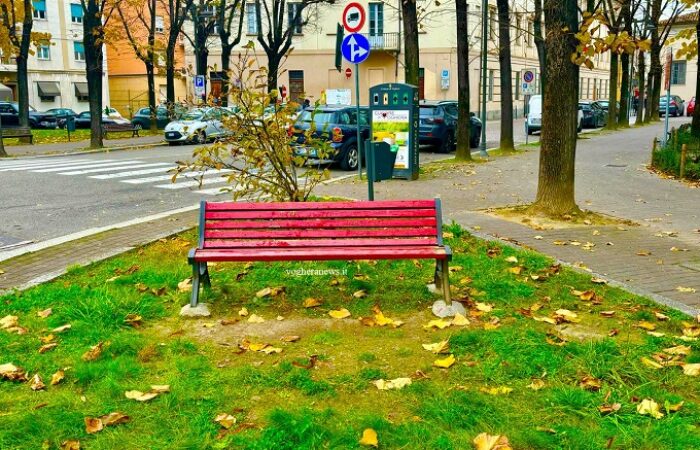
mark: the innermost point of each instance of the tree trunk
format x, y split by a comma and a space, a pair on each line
226, 51
623, 119
150, 76
504, 64
655, 76
170, 76
273, 67
93, 36
410, 26
464, 152
539, 43
22, 91
641, 68
555, 189
696, 113
612, 92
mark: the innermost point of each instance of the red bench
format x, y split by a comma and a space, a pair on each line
316, 231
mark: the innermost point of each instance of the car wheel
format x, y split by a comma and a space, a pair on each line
448, 143
350, 160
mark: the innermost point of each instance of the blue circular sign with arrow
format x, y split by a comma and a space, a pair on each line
355, 48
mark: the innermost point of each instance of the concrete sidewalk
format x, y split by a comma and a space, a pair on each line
74, 147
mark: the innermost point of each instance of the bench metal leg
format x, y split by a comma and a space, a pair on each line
446, 281
204, 270
445, 307
195, 284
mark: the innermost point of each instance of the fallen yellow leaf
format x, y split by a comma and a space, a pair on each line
649, 407
496, 390
483, 307
243, 312
488, 442
360, 294
341, 313
254, 318
396, 383
438, 347
185, 285
140, 396
225, 420
57, 377
36, 383
438, 323
459, 320
94, 352
312, 302
445, 363
369, 438
536, 384
45, 313
692, 370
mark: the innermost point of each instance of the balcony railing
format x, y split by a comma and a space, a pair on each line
384, 41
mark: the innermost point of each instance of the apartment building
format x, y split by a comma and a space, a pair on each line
57, 69
128, 83
310, 68
683, 72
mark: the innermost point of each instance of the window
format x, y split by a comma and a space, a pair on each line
530, 33
251, 18
518, 28
39, 9
678, 72
159, 24
78, 51
493, 24
76, 13
492, 77
376, 19
48, 90
43, 52
294, 21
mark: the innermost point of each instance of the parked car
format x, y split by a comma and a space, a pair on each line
594, 116
690, 109
9, 115
142, 118
61, 115
339, 124
82, 120
534, 116
605, 104
198, 126
675, 108
438, 122
452, 108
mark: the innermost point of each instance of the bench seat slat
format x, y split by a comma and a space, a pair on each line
319, 214
322, 233
315, 243
321, 254
291, 206
321, 223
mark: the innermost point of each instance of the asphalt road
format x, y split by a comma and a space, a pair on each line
44, 198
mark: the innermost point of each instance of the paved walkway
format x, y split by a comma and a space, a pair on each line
81, 146
611, 179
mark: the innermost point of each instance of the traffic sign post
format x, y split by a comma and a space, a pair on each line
355, 49
528, 87
667, 69
199, 87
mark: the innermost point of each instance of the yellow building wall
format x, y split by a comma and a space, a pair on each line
129, 93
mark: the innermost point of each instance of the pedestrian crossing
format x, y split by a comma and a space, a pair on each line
133, 172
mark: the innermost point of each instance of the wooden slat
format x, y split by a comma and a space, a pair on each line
291, 206
319, 214
311, 243
345, 233
332, 254
321, 223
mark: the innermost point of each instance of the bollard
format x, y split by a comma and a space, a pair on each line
684, 151
674, 139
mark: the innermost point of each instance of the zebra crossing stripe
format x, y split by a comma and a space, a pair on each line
164, 167
38, 162
85, 165
168, 177
41, 165
217, 190
194, 183
111, 169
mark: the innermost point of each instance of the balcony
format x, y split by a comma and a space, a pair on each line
390, 42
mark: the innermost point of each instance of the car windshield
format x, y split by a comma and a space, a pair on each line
426, 111
321, 118
193, 115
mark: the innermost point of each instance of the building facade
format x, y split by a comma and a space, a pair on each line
128, 83
310, 68
684, 72
56, 70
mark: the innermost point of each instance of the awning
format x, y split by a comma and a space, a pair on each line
5, 93
49, 89
81, 89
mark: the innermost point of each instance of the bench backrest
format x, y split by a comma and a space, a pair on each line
15, 131
320, 224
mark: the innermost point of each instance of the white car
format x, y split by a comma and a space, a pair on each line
533, 119
198, 126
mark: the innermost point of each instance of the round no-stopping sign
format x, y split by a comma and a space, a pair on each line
528, 76
353, 17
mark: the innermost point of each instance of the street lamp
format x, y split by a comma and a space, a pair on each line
484, 61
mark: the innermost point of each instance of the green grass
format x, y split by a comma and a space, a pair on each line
55, 136
283, 401
667, 159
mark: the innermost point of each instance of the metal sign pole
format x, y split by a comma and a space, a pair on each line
669, 67
359, 132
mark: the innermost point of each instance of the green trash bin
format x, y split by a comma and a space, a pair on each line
381, 159
70, 123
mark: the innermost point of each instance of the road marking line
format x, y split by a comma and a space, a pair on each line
187, 184
9, 165
112, 169
168, 177
86, 165
216, 191
164, 167
39, 166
